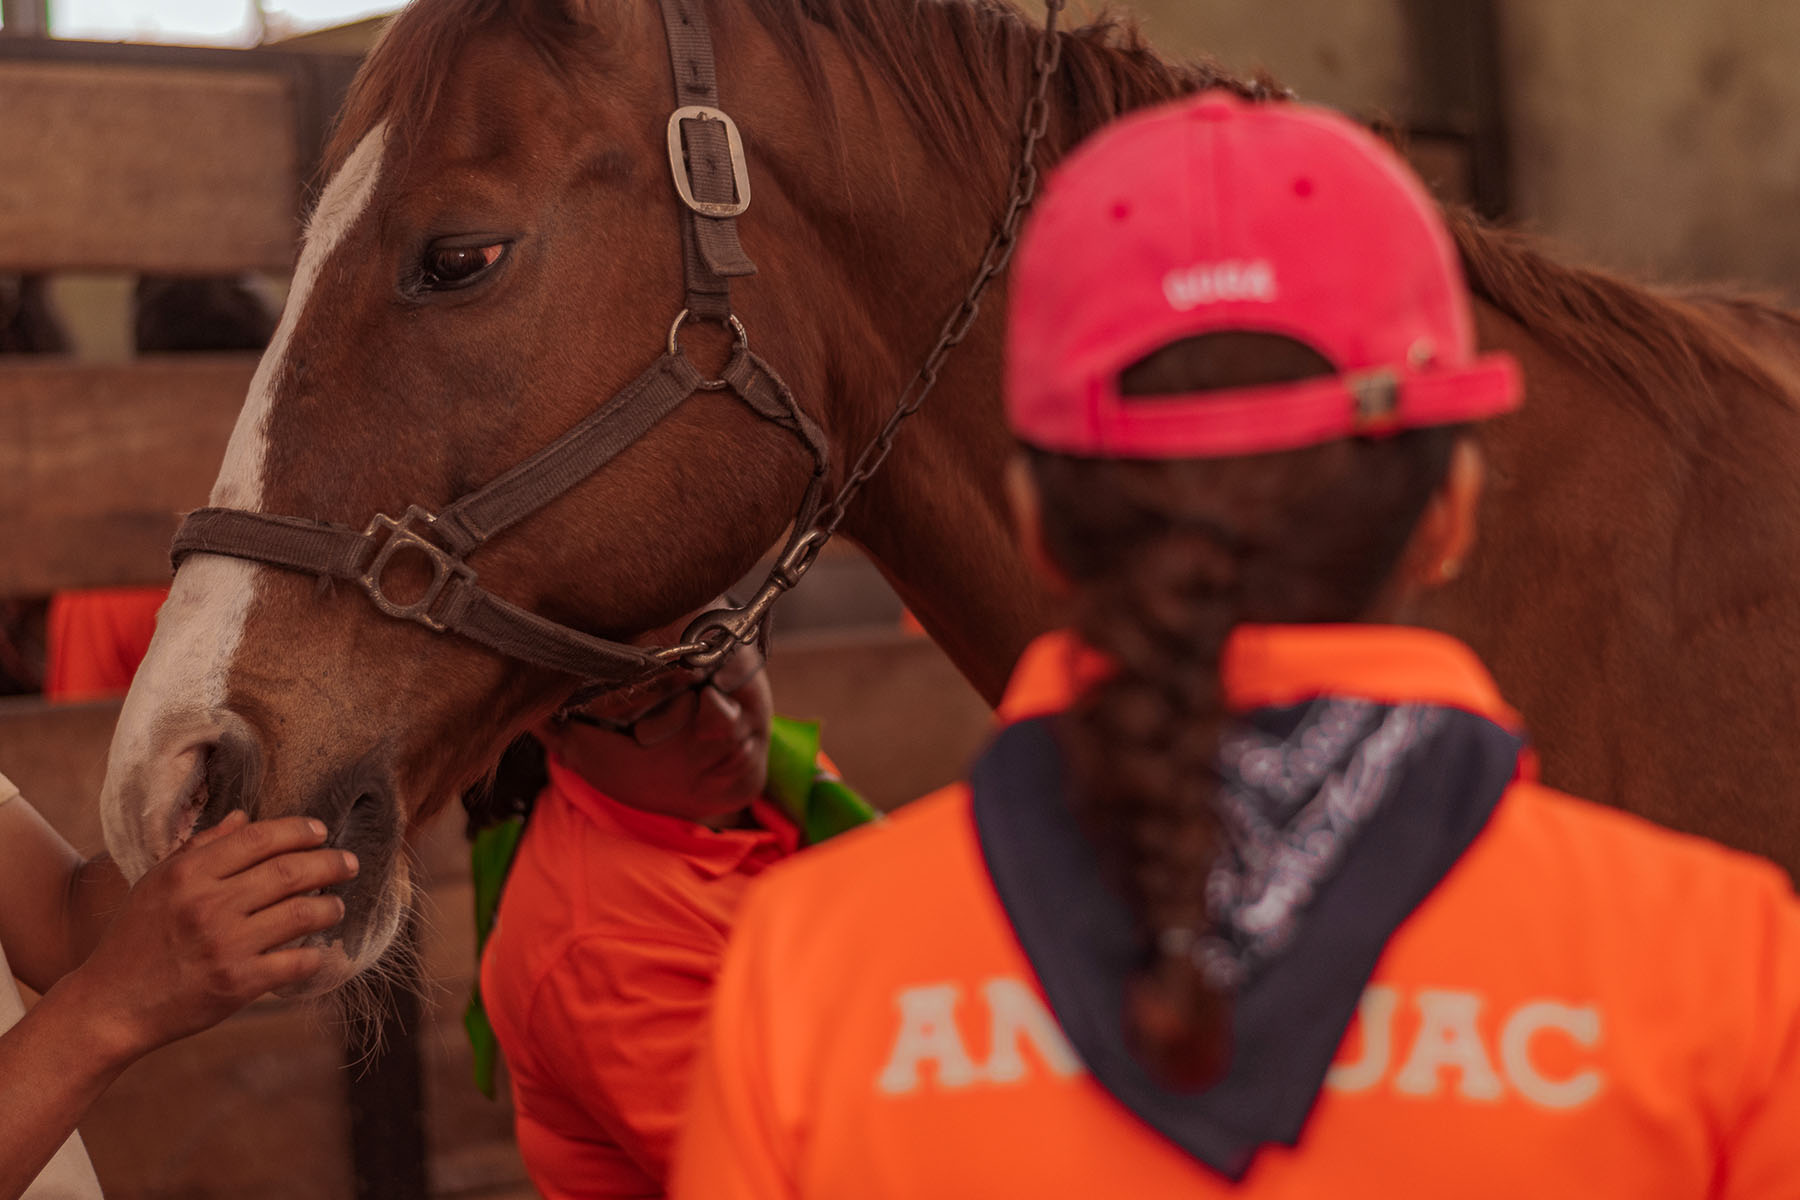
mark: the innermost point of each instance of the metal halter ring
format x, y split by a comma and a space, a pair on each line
741, 347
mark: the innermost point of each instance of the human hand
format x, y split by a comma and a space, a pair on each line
209, 929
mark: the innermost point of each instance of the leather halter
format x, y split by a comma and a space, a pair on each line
707, 160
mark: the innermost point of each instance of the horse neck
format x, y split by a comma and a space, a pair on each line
935, 519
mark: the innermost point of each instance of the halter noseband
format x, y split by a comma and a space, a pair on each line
706, 156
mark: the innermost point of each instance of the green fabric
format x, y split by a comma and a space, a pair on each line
821, 804
490, 857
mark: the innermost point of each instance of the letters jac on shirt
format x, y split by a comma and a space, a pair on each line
1453, 1052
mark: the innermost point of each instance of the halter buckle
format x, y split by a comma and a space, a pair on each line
402, 535
684, 179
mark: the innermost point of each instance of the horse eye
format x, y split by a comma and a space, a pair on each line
446, 267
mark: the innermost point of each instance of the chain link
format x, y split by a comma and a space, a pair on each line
705, 646
1035, 123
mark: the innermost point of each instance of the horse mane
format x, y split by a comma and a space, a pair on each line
1663, 347
960, 68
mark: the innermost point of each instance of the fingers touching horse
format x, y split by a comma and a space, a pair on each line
498, 250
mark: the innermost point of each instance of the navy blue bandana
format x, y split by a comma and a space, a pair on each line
1341, 817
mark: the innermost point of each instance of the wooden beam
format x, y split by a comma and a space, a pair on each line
57, 756
24, 18
168, 171
97, 462
385, 1086
1459, 90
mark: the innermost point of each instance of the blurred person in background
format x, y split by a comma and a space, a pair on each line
124, 970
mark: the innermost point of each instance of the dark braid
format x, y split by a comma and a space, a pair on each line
1167, 558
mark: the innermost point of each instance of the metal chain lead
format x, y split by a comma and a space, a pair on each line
1036, 123
715, 633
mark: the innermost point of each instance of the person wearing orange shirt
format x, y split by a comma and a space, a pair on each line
123, 971
596, 977
96, 639
1255, 893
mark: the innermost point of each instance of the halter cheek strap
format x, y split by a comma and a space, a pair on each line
706, 156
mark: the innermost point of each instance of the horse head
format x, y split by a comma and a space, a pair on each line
496, 253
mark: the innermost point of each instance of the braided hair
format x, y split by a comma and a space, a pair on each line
1167, 557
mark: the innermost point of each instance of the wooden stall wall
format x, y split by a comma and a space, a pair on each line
131, 159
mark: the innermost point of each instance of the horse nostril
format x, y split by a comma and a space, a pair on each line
229, 776
362, 823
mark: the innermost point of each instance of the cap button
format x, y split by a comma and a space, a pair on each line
1215, 106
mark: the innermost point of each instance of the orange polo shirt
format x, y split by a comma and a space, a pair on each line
95, 640
598, 976
1584, 1006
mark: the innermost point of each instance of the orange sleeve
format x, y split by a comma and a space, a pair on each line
95, 640
732, 1148
1761, 1154
620, 1018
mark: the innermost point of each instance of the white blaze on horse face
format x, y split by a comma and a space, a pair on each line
176, 707
240, 478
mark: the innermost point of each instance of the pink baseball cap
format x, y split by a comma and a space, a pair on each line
1219, 215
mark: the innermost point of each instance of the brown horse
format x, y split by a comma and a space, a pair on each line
498, 250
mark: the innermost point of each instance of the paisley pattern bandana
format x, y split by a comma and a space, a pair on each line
1342, 816
1290, 806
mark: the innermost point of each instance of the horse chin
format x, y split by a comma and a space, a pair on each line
357, 945
338, 969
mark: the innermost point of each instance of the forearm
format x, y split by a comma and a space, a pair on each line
53, 1065
97, 892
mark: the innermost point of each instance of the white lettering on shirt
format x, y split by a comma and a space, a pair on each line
1448, 1038
1375, 1015
1017, 1015
1581, 1025
1446, 1056
929, 1034
1449, 1035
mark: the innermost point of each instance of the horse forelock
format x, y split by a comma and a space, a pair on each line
406, 73
959, 66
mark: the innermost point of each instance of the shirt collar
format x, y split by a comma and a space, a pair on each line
1271, 666
712, 852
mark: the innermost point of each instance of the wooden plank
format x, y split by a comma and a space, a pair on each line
168, 171
253, 1107
25, 18
57, 756
96, 463
386, 1088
